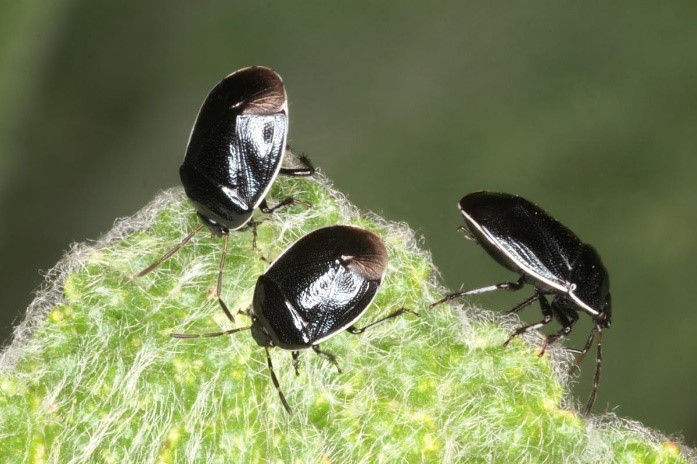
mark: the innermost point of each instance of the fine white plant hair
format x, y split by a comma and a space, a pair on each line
208, 401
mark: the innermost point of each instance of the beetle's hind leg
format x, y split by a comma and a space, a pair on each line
328, 356
307, 170
168, 254
512, 286
546, 311
359, 330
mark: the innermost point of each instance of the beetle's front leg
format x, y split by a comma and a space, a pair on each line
567, 324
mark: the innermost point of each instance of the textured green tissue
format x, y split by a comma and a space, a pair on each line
93, 375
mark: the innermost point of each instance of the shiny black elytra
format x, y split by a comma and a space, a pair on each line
318, 287
235, 152
523, 238
236, 148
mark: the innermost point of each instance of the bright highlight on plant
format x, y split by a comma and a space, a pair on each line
94, 376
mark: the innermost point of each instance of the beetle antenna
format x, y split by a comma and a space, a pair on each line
219, 286
596, 378
169, 253
275, 381
209, 334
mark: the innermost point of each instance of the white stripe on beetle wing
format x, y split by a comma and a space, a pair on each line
583, 305
278, 167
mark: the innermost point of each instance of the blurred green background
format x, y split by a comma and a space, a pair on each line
588, 110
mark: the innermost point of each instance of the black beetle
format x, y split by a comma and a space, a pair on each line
523, 238
319, 286
234, 153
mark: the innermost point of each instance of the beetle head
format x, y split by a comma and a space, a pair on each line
259, 333
592, 282
605, 316
260, 326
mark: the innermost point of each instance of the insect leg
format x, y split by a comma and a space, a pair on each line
265, 208
295, 355
219, 286
567, 319
275, 381
596, 377
210, 334
501, 286
169, 253
468, 235
328, 356
523, 304
247, 312
582, 353
307, 170
546, 311
359, 330
252, 224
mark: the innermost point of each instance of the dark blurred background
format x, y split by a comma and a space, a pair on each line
589, 110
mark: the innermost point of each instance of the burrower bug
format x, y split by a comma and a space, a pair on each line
234, 153
523, 238
318, 287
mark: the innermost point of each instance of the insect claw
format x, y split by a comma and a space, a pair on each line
542, 350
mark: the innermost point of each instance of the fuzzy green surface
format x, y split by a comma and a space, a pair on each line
102, 381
